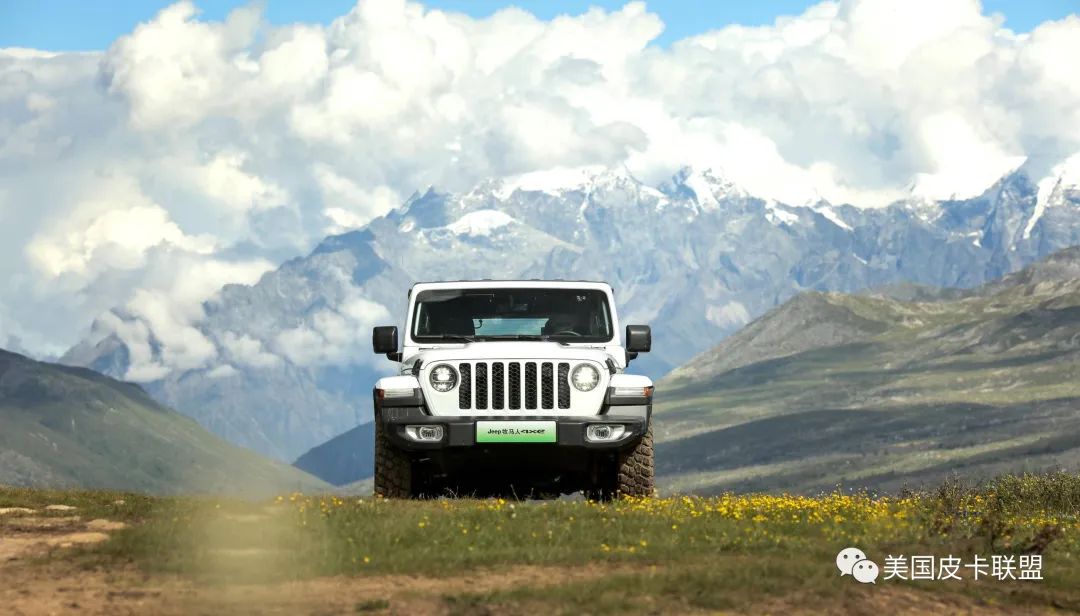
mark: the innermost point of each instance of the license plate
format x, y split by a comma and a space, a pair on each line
515, 432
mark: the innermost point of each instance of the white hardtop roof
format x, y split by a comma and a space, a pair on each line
512, 284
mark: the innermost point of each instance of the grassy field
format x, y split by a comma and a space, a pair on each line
744, 553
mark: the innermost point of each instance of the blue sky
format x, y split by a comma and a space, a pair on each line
62, 25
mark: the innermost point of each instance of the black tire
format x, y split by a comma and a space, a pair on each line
393, 468
637, 469
632, 474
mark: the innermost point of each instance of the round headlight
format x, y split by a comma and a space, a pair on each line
585, 377
443, 377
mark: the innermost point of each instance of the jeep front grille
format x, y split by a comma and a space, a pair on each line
514, 385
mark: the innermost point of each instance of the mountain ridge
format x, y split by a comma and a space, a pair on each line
293, 366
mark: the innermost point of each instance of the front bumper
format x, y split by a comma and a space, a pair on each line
460, 431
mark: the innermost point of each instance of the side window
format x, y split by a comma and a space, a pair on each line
423, 327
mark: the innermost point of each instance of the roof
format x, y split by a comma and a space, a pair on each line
509, 284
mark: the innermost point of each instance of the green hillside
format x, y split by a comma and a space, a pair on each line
873, 391
71, 427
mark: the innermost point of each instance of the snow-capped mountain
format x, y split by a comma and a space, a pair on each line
696, 257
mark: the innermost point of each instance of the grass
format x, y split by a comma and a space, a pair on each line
676, 553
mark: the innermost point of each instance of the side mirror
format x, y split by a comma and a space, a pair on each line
384, 341
638, 340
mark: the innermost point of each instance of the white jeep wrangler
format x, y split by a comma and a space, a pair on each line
513, 388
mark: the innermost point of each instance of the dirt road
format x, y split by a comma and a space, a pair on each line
40, 574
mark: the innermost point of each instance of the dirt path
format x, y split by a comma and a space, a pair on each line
59, 588
31, 585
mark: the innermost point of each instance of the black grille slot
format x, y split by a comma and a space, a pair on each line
497, 389
481, 386
464, 395
547, 385
515, 386
564, 386
530, 385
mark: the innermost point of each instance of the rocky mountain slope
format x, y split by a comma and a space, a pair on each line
72, 427
697, 258
870, 391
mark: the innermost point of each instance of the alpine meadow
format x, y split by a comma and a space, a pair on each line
531, 307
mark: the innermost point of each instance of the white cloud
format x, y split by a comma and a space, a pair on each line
224, 179
348, 205
162, 330
336, 335
222, 371
176, 70
248, 351
231, 144
113, 228
731, 313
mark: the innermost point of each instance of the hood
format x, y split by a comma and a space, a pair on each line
511, 350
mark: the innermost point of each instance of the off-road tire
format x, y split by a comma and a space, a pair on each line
629, 474
636, 470
393, 468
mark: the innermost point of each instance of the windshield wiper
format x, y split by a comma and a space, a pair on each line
462, 338
450, 338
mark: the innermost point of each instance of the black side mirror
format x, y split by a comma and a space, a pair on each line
638, 340
384, 341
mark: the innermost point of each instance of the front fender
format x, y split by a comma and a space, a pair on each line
398, 382
630, 380
397, 391
629, 394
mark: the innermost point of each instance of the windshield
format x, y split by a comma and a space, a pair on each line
565, 315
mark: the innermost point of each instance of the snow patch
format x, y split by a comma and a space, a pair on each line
702, 191
550, 181
708, 187
833, 217
1051, 189
480, 223
926, 210
778, 215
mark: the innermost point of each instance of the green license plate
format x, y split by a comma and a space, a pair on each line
515, 432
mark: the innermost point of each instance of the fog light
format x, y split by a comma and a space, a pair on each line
604, 433
429, 433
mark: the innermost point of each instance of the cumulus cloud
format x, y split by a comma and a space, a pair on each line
333, 335
193, 148
159, 324
248, 351
113, 228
